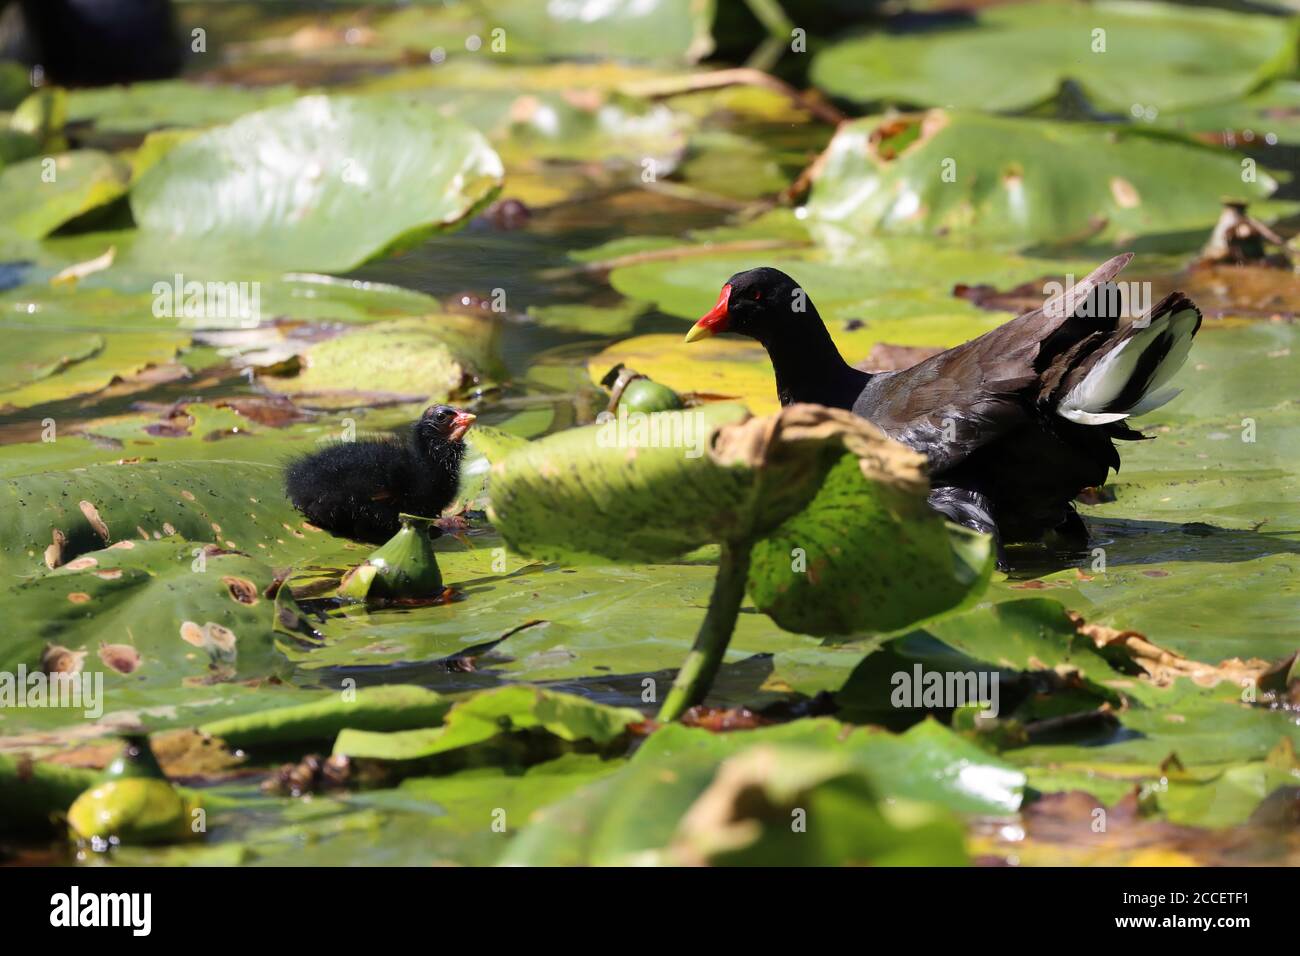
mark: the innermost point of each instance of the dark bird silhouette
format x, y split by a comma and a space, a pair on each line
357, 489
1016, 422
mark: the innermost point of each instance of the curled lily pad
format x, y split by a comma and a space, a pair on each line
322, 183
484, 716
693, 477
404, 567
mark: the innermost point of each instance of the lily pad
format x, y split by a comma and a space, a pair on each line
153, 614
367, 176
644, 30
1017, 180
485, 715
230, 505
141, 107
1204, 56
1268, 117
40, 195
677, 765
659, 494
428, 359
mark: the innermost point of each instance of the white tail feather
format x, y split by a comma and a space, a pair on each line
1088, 402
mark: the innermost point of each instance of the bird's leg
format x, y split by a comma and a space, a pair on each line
970, 509
1072, 530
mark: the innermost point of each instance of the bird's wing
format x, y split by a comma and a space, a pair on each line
959, 400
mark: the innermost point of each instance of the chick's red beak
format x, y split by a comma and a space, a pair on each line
713, 321
460, 425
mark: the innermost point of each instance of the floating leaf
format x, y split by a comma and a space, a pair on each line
40, 195
367, 176
1017, 180
140, 107
671, 771
647, 30
1123, 54
429, 359
486, 715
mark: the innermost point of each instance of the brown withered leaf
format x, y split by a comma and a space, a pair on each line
1162, 666
770, 441
722, 719
277, 411
1074, 828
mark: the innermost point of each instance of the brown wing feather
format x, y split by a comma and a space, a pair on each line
968, 396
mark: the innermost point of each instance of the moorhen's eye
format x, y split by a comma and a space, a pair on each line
443, 415
757, 296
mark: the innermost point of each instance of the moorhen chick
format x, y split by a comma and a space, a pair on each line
357, 489
1016, 422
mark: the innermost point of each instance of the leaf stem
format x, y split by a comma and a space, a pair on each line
702, 663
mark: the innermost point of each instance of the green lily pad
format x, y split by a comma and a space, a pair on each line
387, 708
1265, 118
150, 615
487, 714
53, 366
231, 505
638, 30
141, 107
368, 175
1017, 180
529, 122
637, 487
1015, 56
677, 765
428, 359
32, 204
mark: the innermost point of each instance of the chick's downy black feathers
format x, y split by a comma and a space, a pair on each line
357, 489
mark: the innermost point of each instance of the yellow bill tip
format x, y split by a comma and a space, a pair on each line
698, 331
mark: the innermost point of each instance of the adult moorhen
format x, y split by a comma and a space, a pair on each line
1016, 422
357, 489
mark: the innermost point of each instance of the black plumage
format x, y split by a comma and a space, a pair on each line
357, 489
1015, 423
